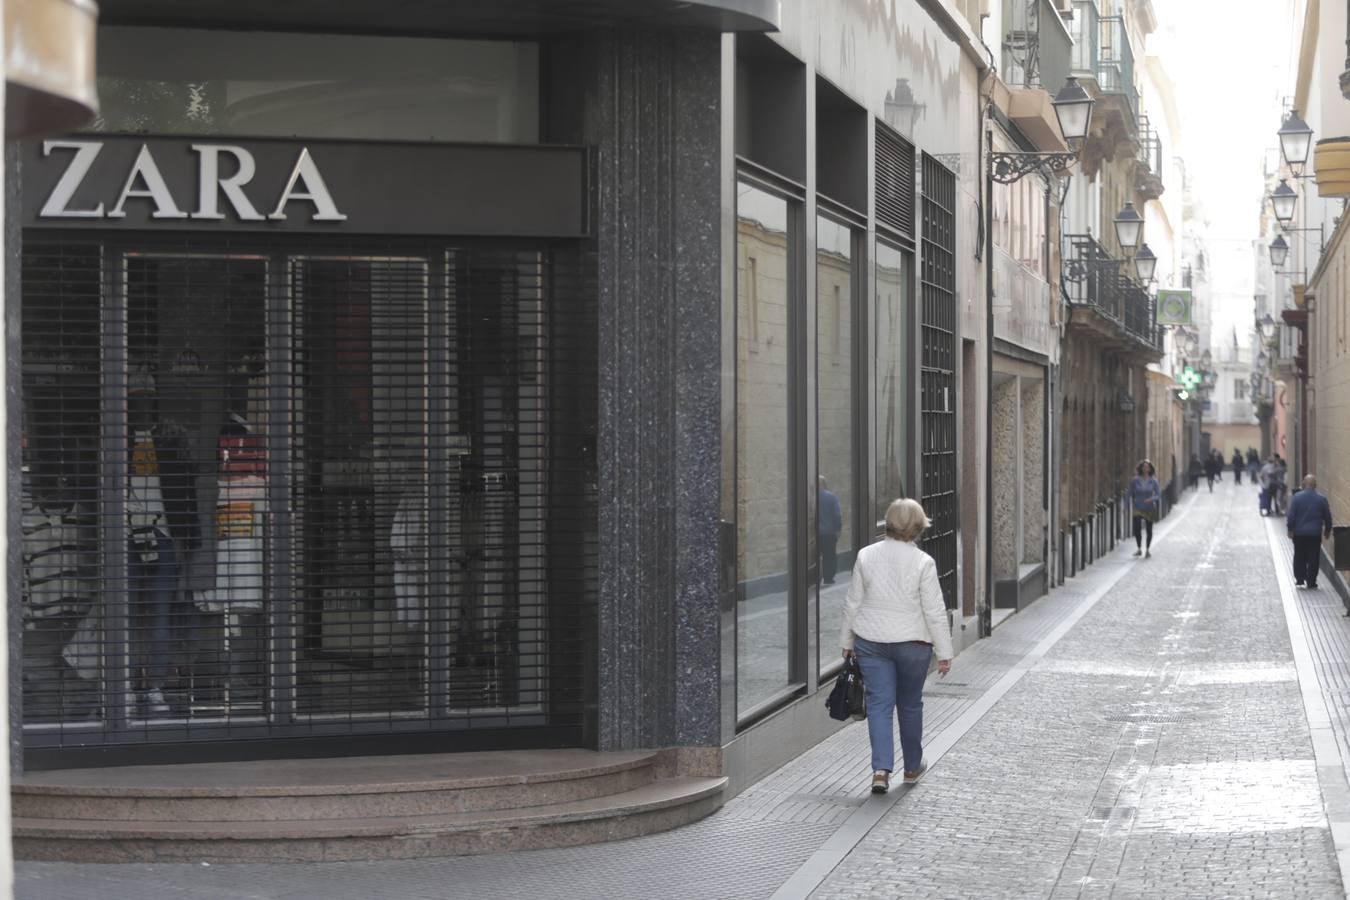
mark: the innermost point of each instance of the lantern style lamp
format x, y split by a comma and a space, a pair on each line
1295, 140
1279, 251
1144, 264
1283, 200
1073, 109
1129, 227
1267, 325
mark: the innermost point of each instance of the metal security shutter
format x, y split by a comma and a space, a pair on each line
938, 393
332, 490
895, 181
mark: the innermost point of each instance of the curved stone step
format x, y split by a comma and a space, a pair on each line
319, 789
661, 805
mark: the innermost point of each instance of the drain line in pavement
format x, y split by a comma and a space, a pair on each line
817, 868
1331, 768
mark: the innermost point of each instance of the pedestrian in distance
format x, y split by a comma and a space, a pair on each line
1278, 486
1145, 501
1213, 469
1237, 467
1308, 520
894, 620
1195, 470
1253, 464
831, 519
1266, 476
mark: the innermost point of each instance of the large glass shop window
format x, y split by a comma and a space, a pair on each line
893, 357
836, 357
273, 84
763, 302
291, 494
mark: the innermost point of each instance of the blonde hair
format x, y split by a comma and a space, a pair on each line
905, 519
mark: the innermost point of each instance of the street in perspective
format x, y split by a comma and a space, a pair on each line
676, 448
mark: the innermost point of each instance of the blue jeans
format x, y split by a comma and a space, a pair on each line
893, 676
152, 585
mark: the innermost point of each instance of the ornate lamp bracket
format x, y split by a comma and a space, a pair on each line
1008, 168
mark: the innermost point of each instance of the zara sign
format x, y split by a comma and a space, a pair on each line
145, 181
133, 182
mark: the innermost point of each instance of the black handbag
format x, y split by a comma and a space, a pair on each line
847, 699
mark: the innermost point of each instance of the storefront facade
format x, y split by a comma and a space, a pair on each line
385, 392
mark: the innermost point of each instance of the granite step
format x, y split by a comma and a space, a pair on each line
657, 806
326, 789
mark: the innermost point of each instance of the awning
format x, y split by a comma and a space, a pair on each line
430, 17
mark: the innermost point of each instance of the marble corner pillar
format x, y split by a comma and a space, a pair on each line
653, 119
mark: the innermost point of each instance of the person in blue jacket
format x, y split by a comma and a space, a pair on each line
1145, 501
1308, 520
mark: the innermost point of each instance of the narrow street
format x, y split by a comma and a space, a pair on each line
1142, 732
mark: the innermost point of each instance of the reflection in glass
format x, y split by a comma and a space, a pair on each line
284, 84
835, 499
762, 304
892, 412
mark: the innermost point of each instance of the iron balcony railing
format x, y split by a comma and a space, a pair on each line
1102, 51
1150, 146
1093, 278
1115, 68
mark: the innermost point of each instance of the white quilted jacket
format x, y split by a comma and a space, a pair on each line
895, 596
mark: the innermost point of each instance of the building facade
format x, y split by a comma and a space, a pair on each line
477, 381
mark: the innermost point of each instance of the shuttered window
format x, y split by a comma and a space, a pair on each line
303, 491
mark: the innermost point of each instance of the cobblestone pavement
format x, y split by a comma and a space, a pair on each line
1158, 748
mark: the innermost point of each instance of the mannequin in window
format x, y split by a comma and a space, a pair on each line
152, 557
408, 541
240, 507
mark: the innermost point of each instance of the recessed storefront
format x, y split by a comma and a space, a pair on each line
308, 422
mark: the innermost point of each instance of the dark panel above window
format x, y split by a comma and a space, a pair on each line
895, 181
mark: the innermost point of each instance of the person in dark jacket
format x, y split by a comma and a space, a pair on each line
1195, 470
831, 519
1308, 520
1237, 467
1213, 469
1145, 500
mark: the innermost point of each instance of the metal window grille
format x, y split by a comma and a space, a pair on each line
302, 491
938, 392
895, 181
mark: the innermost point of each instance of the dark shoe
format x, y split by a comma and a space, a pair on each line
1148, 554
881, 781
1312, 585
913, 775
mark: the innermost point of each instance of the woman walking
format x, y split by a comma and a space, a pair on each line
1145, 498
894, 620
1237, 467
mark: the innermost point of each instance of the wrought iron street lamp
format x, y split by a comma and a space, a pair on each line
1129, 227
1144, 264
1279, 251
1266, 324
1073, 109
1295, 140
1283, 200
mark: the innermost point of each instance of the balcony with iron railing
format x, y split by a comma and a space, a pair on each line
1150, 180
1102, 52
1117, 308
